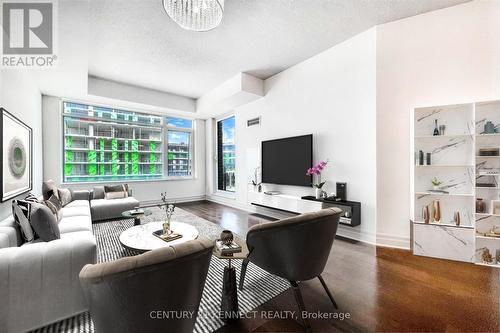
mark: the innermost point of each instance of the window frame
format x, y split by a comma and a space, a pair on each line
191, 132
217, 191
164, 134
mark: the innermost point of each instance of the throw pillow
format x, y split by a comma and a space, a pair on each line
53, 209
21, 213
43, 222
31, 198
65, 196
55, 200
48, 188
115, 192
98, 192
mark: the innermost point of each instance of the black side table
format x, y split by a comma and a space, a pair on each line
136, 216
229, 301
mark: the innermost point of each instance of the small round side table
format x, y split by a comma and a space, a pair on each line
136, 216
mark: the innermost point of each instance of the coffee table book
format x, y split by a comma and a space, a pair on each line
166, 238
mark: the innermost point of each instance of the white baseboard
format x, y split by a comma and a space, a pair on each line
356, 234
394, 241
231, 202
175, 200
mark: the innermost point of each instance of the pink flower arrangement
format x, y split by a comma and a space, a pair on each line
316, 170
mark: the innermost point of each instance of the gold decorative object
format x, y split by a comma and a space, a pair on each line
486, 256
492, 233
436, 211
456, 218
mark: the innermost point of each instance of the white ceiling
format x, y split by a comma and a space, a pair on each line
135, 42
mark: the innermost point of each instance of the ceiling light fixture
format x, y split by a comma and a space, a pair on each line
196, 15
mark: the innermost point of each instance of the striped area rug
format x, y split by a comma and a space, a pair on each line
260, 286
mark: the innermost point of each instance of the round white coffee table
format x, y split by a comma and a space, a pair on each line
141, 238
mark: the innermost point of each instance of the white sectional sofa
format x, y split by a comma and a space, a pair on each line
39, 281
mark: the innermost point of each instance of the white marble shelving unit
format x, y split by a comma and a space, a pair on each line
456, 162
453, 163
487, 171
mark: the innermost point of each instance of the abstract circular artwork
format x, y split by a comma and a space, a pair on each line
17, 157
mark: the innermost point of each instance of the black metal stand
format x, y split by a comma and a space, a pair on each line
243, 272
137, 221
229, 303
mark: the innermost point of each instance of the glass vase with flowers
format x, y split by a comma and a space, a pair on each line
169, 211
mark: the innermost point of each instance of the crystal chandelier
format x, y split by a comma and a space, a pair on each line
197, 15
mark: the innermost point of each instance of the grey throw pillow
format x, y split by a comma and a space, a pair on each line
44, 222
55, 207
49, 187
65, 196
21, 213
98, 192
55, 201
115, 192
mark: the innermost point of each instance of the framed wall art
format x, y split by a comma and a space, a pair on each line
16, 140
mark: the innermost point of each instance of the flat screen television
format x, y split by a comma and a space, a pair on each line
285, 161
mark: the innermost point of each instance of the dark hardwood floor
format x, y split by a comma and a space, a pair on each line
382, 289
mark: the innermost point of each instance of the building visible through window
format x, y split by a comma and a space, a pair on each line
179, 146
226, 155
107, 144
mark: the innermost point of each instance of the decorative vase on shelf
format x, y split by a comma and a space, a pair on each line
480, 205
436, 129
425, 214
489, 128
456, 218
436, 211
442, 128
317, 193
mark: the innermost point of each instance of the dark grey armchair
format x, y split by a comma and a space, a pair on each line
136, 294
295, 249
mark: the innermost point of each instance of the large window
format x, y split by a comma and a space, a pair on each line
179, 147
103, 144
226, 155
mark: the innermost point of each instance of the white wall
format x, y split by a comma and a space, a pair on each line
442, 57
332, 96
20, 96
179, 190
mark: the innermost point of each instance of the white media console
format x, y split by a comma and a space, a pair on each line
284, 202
297, 205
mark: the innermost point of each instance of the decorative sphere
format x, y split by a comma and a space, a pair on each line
226, 237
